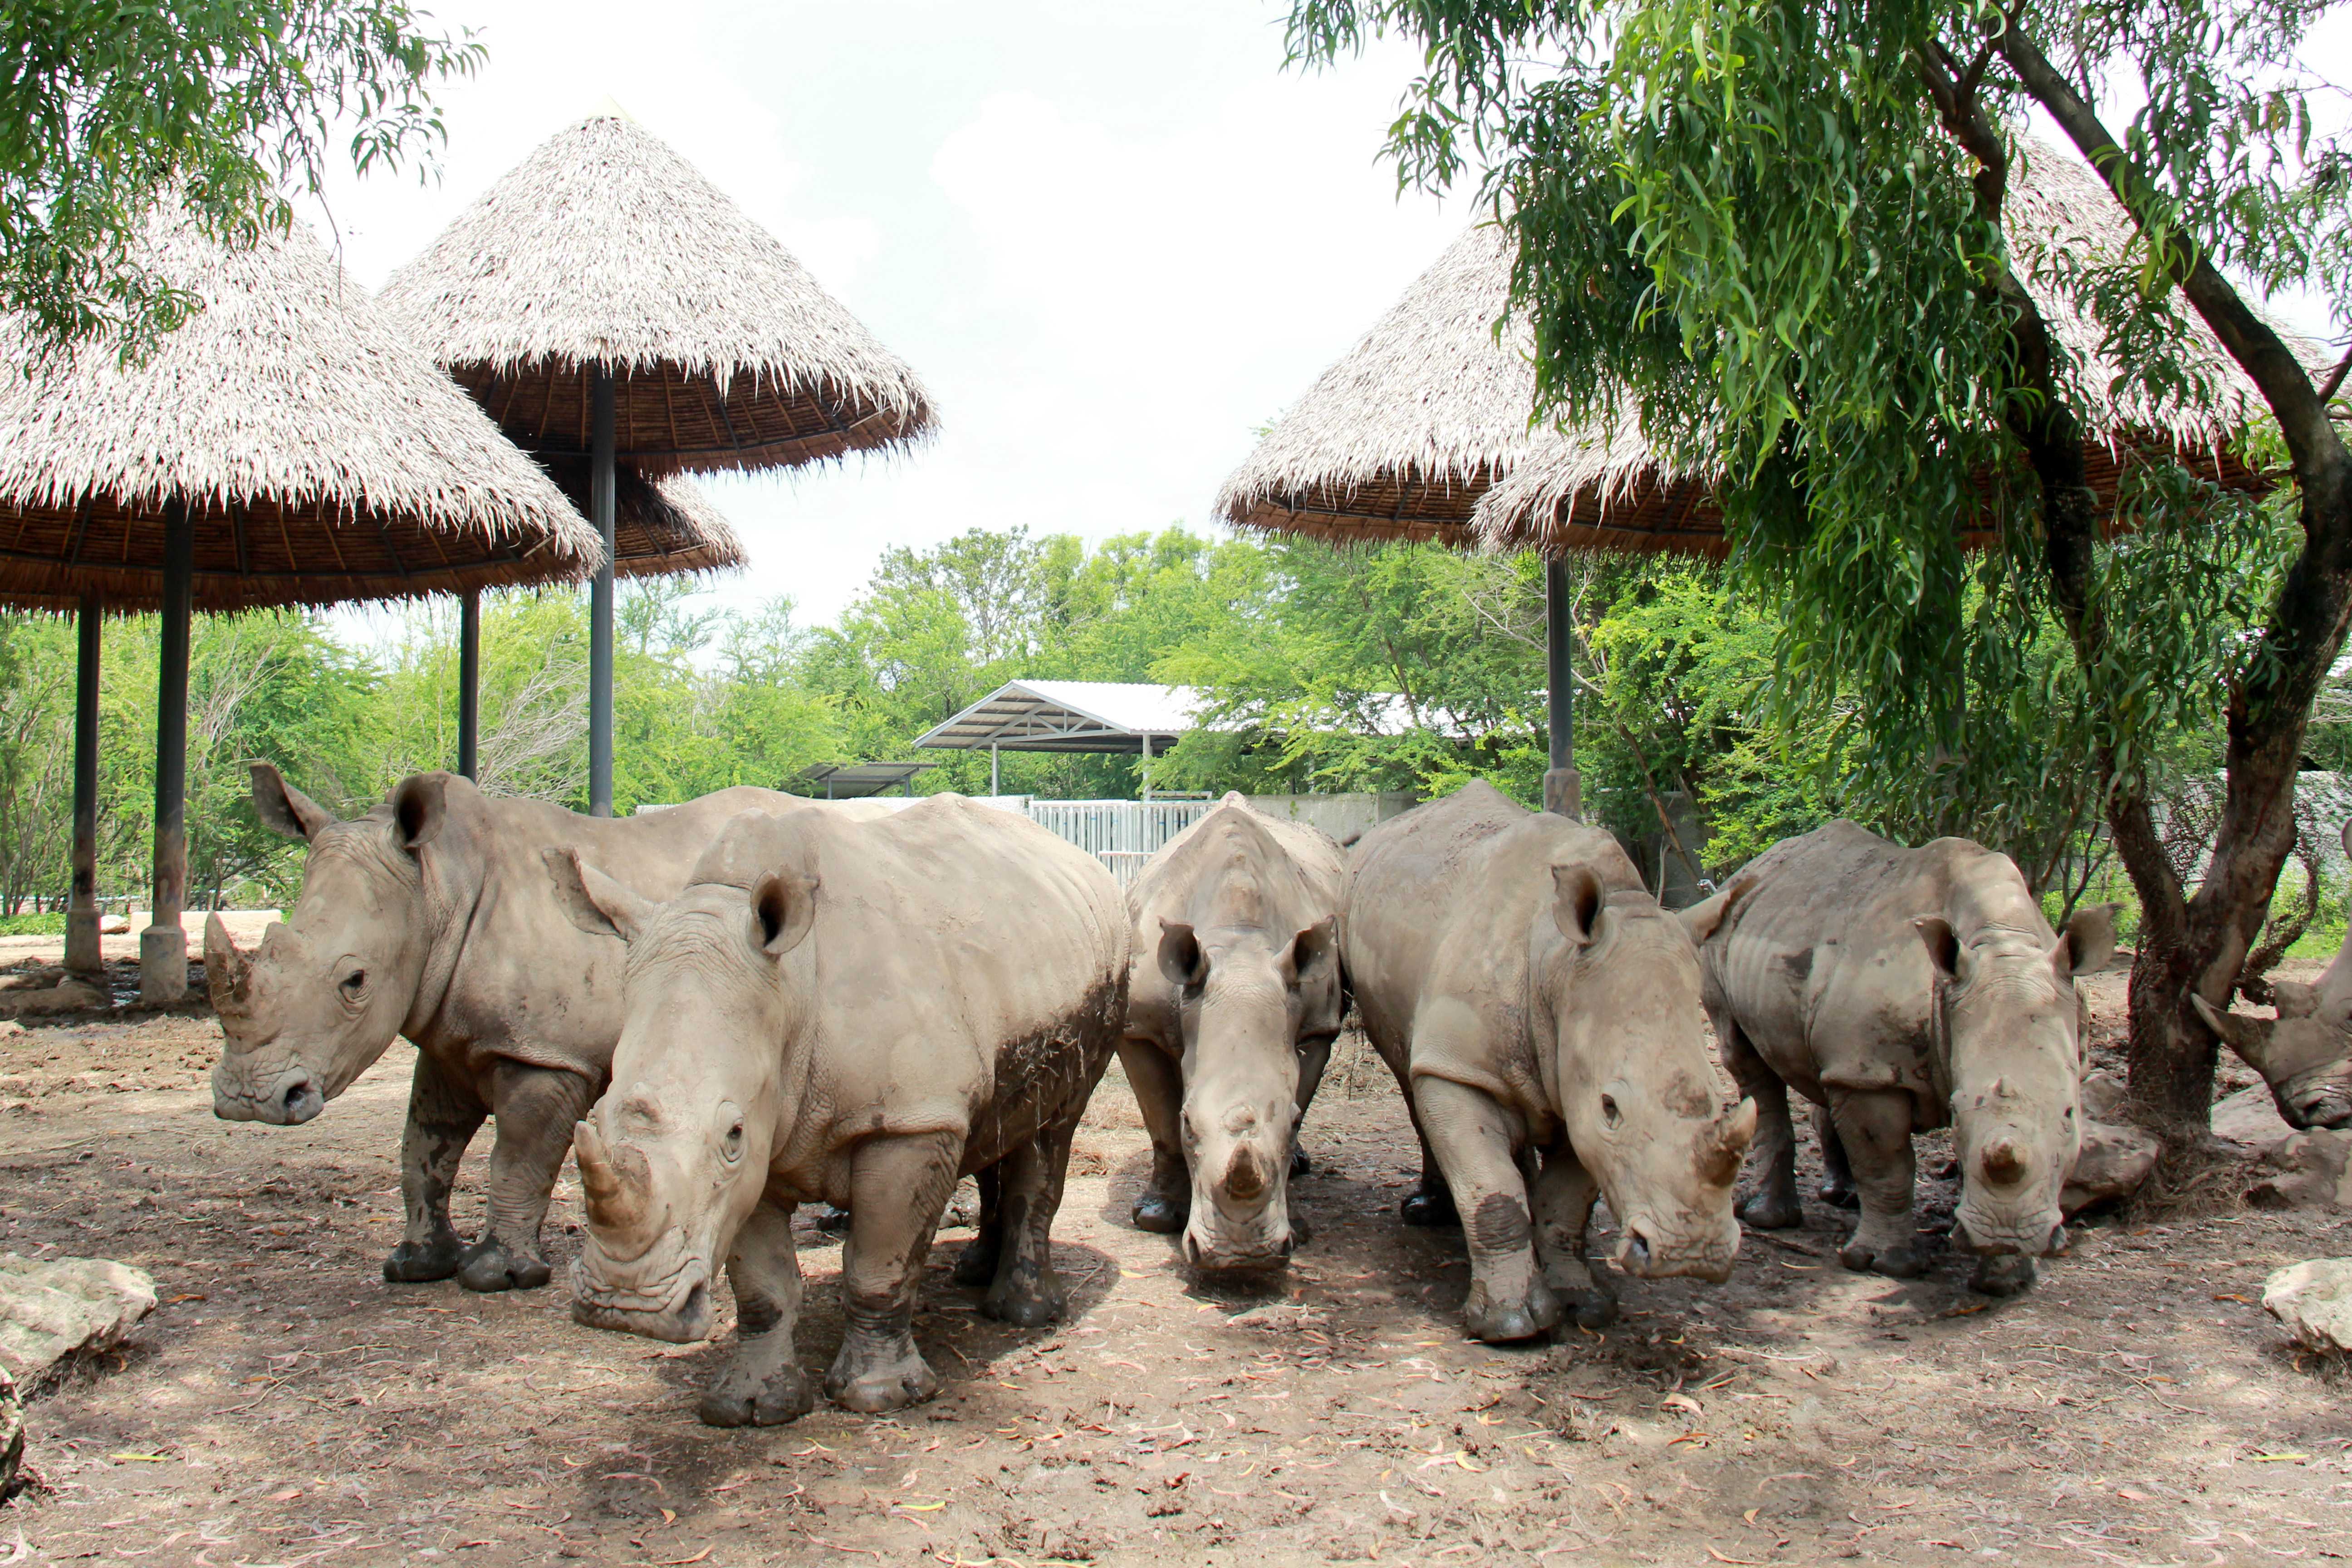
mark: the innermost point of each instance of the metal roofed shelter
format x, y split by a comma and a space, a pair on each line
286, 446
857, 781
1110, 716
611, 307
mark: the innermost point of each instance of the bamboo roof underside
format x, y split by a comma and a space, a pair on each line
662, 524
323, 458
606, 248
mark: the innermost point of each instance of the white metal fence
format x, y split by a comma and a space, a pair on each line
1121, 833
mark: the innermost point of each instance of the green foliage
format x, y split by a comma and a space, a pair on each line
108, 109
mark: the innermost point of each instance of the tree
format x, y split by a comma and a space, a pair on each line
1779, 226
106, 110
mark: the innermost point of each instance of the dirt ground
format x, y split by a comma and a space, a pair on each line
285, 1405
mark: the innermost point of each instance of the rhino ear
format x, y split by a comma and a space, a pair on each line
2087, 943
419, 806
1704, 919
1181, 958
2294, 999
1316, 949
283, 809
783, 908
1577, 897
1943, 945
2249, 1037
593, 901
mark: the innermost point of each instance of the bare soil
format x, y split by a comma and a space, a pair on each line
285, 1405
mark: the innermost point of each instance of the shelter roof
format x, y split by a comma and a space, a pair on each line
321, 456
1069, 716
855, 781
662, 524
606, 248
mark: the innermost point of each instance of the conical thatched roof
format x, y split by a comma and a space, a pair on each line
661, 524
1420, 432
321, 456
605, 247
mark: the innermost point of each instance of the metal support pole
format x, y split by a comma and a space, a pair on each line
1147, 770
469, 683
992, 787
164, 945
1563, 787
600, 599
83, 955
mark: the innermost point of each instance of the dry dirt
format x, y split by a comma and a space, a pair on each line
286, 1405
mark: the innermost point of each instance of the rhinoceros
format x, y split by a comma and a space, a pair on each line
435, 916
1532, 999
1902, 990
857, 1011
2306, 1052
1232, 1000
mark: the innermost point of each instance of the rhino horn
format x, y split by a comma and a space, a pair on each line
615, 1185
1727, 1142
1245, 1175
2249, 1037
229, 971
2004, 1163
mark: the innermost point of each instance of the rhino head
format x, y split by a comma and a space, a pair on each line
329, 989
1631, 1073
2011, 1016
1241, 996
674, 1158
2304, 1054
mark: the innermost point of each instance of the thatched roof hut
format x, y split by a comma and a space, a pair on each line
606, 248
1421, 431
320, 455
663, 525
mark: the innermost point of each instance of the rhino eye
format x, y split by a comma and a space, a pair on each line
355, 982
1609, 1112
735, 1142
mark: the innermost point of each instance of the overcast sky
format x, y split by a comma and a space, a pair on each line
1112, 236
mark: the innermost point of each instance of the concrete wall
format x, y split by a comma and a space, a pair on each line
1336, 814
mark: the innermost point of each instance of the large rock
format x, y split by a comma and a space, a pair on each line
12, 1435
66, 994
2115, 1161
2314, 1300
2250, 1119
50, 1309
2306, 1170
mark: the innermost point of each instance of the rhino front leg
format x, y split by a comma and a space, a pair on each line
1875, 1127
1564, 1194
444, 1112
1837, 1173
1158, 1081
1773, 1204
1026, 1291
976, 1264
763, 1385
536, 1108
897, 1189
1314, 1056
1471, 1136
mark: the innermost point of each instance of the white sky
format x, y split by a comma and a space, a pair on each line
1112, 236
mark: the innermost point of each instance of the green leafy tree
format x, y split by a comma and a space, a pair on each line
1780, 227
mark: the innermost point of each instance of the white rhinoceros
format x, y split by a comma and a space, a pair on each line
1533, 999
857, 1011
2305, 1055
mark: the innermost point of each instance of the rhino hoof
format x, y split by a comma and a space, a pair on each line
2012, 1274
1502, 1322
1770, 1211
976, 1264
1838, 1195
412, 1265
1027, 1305
1431, 1207
785, 1395
1154, 1213
1895, 1262
1590, 1308
490, 1267
1299, 1163
883, 1385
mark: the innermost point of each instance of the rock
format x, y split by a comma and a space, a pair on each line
50, 1309
2306, 1170
113, 925
10, 1026
2103, 1095
2314, 1300
2250, 1119
11, 1434
68, 995
2115, 1161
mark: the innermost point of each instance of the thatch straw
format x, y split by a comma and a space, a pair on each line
1421, 431
662, 523
321, 456
605, 247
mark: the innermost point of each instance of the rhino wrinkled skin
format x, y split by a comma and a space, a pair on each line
857, 1011
2305, 1055
1533, 999
1901, 990
1233, 998
435, 917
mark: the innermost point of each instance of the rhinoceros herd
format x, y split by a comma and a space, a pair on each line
750, 1002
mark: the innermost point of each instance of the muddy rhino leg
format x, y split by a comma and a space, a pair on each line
1837, 1175
1026, 1291
1314, 1056
1564, 1196
1875, 1127
763, 1385
444, 1112
536, 1108
1471, 1135
1773, 1204
1430, 1202
976, 1264
897, 1189
1158, 1081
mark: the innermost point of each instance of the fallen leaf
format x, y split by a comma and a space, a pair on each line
1744, 1561
2274, 1458
175, 1301
682, 1562
2130, 1495
920, 1507
669, 1516
141, 1458
2228, 1296
288, 1495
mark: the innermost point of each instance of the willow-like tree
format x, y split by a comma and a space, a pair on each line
106, 107
1778, 226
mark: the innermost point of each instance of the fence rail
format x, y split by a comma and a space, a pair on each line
1121, 833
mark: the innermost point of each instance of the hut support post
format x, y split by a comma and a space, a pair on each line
1563, 787
993, 786
600, 602
164, 945
83, 955
469, 684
